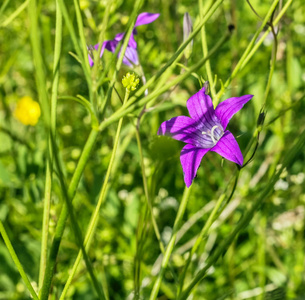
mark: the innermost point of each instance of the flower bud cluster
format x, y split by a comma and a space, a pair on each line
130, 81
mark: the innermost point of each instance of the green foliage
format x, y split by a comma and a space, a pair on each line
254, 240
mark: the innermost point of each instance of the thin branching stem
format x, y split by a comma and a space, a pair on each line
14, 256
49, 169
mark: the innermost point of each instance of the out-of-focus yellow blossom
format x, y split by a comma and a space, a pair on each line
27, 111
130, 81
84, 4
124, 20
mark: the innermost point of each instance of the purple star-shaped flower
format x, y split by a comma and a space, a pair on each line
131, 55
205, 131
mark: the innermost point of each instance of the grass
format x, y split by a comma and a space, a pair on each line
93, 189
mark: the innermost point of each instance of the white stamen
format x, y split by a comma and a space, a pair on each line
211, 134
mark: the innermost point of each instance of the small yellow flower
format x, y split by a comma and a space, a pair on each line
84, 4
27, 111
130, 81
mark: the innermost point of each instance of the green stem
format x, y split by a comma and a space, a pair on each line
60, 227
45, 222
150, 209
75, 226
15, 13
49, 169
84, 61
261, 255
246, 218
68, 204
122, 48
217, 210
140, 233
81, 34
205, 229
202, 234
95, 216
272, 65
205, 49
38, 62
140, 103
3, 6
96, 57
176, 56
87, 105
149, 202
16, 261
260, 41
171, 243
249, 48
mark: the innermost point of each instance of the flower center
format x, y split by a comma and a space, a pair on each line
215, 133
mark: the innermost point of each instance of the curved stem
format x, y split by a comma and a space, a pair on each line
171, 243
79, 52
16, 261
178, 54
149, 203
246, 217
85, 61
212, 217
95, 216
249, 48
140, 103
15, 13
202, 234
260, 41
60, 227
205, 49
49, 169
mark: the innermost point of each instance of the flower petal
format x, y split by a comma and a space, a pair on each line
146, 18
228, 148
119, 36
131, 43
131, 57
190, 160
131, 54
90, 60
226, 109
111, 45
201, 108
180, 128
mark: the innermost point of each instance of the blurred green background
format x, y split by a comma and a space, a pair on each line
269, 252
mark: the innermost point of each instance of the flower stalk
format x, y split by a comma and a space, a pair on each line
247, 216
49, 169
17, 262
171, 244
95, 216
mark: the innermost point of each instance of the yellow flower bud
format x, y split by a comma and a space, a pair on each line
27, 111
130, 81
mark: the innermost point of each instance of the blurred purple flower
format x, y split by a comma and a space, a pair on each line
131, 55
205, 131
